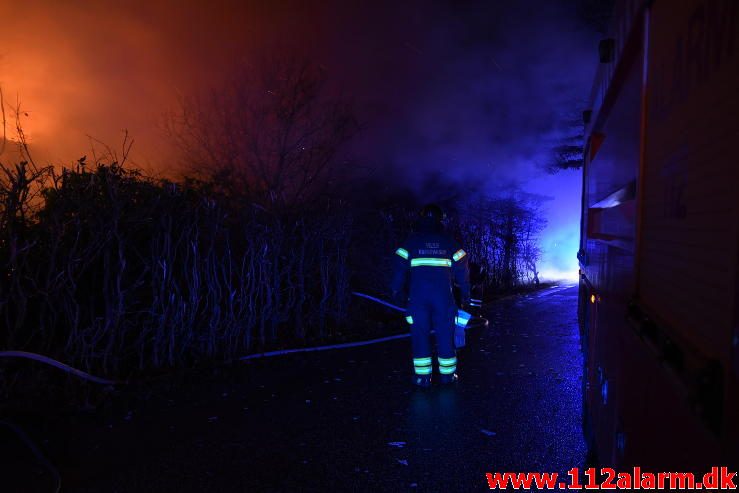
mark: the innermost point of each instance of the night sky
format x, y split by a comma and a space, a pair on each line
479, 91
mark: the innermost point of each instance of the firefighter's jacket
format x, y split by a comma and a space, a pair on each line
429, 264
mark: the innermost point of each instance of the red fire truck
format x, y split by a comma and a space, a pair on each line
659, 247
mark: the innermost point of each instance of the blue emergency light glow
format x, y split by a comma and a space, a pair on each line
431, 262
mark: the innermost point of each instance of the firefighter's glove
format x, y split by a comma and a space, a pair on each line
459, 336
460, 324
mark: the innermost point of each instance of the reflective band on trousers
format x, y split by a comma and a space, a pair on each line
447, 366
459, 254
409, 319
422, 366
402, 252
431, 262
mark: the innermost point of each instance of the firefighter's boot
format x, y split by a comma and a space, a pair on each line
422, 369
448, 379
423, 381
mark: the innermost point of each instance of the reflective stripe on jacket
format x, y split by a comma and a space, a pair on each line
429, 263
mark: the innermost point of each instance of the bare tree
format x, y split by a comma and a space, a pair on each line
502, 235
271, 133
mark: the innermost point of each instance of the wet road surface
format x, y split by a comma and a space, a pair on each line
349, 419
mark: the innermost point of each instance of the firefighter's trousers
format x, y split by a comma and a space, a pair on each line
427, 313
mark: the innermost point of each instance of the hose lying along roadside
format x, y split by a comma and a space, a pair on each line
103, 381
40, 457
60, 365
20, 434
378, 300
475, 322
74, 371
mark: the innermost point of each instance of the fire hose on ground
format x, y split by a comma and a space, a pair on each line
40, 457
476, 322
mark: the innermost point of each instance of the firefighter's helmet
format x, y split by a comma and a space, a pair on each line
434, 212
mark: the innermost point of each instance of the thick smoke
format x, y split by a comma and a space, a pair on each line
479, 92
476, 91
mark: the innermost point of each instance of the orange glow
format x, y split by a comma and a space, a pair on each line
592, 298
95, 69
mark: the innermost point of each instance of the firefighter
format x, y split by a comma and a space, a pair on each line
428, 265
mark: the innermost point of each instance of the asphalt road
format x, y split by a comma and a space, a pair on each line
349, 419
